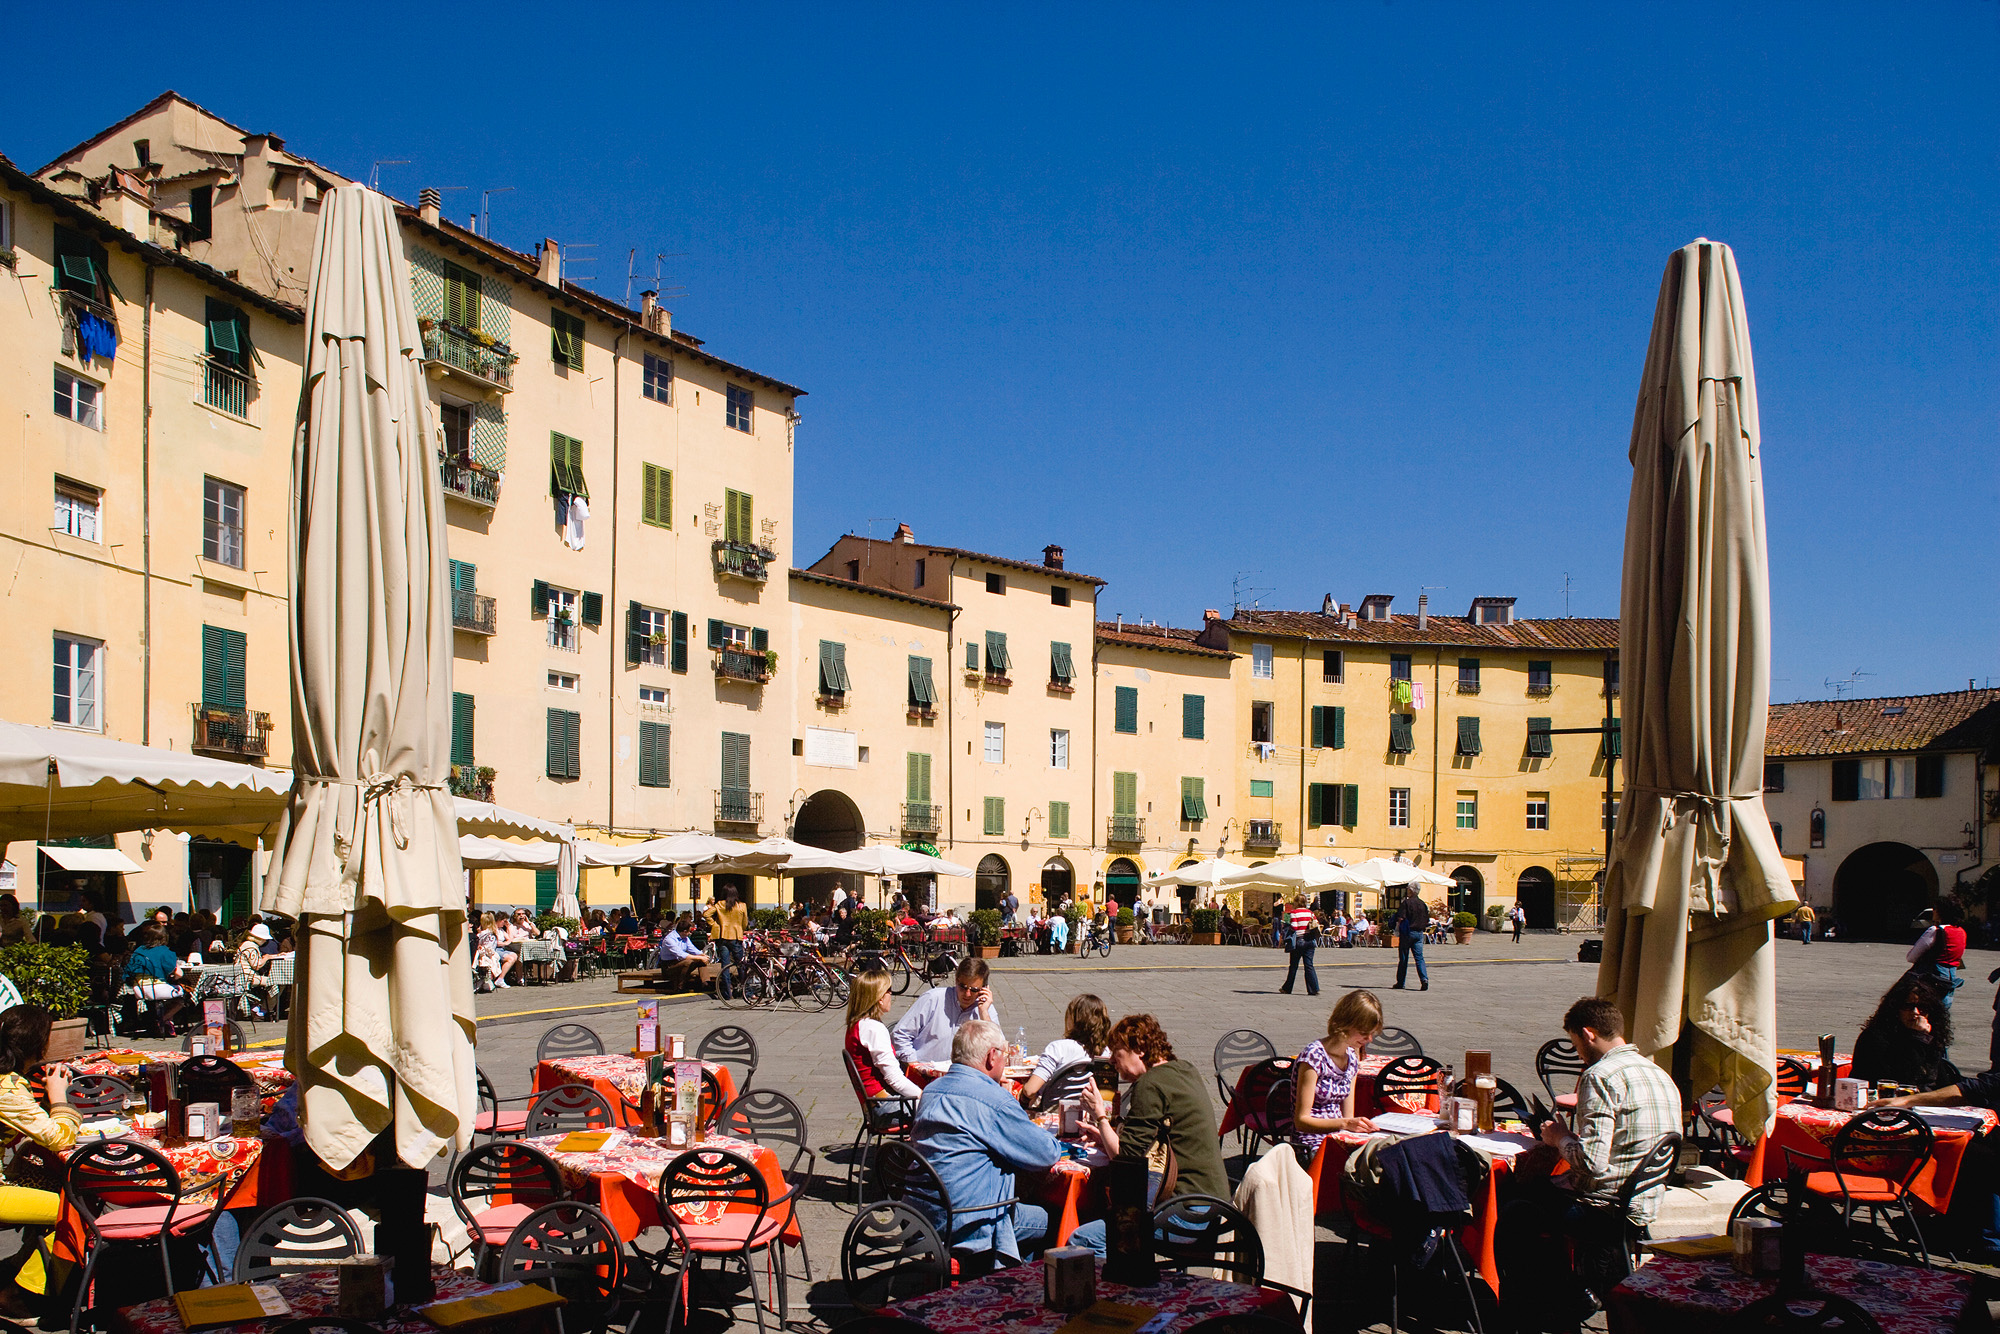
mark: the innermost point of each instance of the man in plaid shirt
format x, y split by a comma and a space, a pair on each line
1624, 1104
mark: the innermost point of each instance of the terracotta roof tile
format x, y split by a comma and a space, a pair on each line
1033, 567
1960, 720
1583, 633
814, 577
1162, 638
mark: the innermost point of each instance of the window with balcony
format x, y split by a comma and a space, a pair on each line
228, 381
77, 508
656, 495
648, 634
735, 803
79, 400
565, 745
995, 751
1125, 710
919, 814
455, 423
738, 511
1468, 676
737, 411
1399, 808
559, 606
1541, 678
1468, 810
566, 339
77, 679
740, 652
471, 610
1124, 825
1333, 666
655, 770
657, 383
1058, 748
222, 522
222, 722
1262, 664
464, 750
1538, 810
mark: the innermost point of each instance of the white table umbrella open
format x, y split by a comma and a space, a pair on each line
691, 849
1199, 875
780, 857
486, 820
1390, 873
881, 859
1299, 874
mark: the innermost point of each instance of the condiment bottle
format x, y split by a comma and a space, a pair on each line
1824, 1096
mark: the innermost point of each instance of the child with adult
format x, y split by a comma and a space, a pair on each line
1326, 1102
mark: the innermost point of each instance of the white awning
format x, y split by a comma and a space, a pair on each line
91, 859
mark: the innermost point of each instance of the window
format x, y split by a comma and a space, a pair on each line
1260, 662
921, 563
1399, 666
1125, 710
1194, 802
564, 681
1778, 835
923, 691
566, 339
1062, 668
1058, 819
833, 668
455, 419
971, 655
653, 697
222, 523
657, 383
80, 265
1329, 726
1263, 787
737, 414
1468, 810
917, 777
1124, 793
1059, 748
76, 681
1774, 778
1538, 810
76, 509
996, 743
201, 212
1614, 739
1468, 676
1899, 778
79, 400
995, 821
1610, 676
737, 638
996, 583
560, 608
737, 512
1059, 596
566, 466
1333, 666
997, 661
1468, 736
1930, 775
1816, 831
648, 631
656, 492
1610, 809
734, 803
565, 743
462, 713
1194, 717
1262, 729
461, 296
224, 663
1540, 744
654, 769
1541, 678
1331, 804
228, 335
1399, 808
1402, 733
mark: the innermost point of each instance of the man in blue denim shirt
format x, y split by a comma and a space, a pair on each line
975, 1135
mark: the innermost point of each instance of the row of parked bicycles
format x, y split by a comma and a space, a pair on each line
779, 968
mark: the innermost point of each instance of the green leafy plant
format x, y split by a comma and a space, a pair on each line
1464, 921
872, 925
1205, 921
1072, 914
1125, 917
543, 921
771, 661
55, 977
982, 927
1495, 910
769, 919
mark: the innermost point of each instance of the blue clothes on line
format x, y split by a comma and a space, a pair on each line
95, 337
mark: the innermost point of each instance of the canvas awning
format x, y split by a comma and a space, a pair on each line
90, 859
486, 820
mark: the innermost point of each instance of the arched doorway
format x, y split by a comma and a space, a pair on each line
1536, 890
829, 820
1468, 891
1058, 880
1121, 882
1879, 890
990, 885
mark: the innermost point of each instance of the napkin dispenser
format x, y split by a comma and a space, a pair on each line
1070, 1275
1757, 1245
367, 1287
1850, 1095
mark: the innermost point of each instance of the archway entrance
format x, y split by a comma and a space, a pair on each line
1121, 882
1468, 891
1879, 890
1536, 890
990, 885
829, 820
1058, 880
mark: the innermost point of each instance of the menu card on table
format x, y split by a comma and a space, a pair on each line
230, 1304
503, 1304
1106, 1317
583, 1141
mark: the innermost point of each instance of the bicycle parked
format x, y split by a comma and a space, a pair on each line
775, 968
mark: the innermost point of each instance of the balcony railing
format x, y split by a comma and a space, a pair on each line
743, 560
741, 665
1539, 688
1124, 829
920, 817
1262, 834
1466, 687
457, 349
227, 389
472, 781
472, 612
562, 634
231, 731
735, 805
468, 481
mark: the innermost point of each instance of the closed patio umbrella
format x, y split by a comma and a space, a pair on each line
1695, 878
368, 856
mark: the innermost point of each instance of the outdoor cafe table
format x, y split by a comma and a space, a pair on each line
1010, 1300
1672, 1294
621, 1079
250, 1178
308, 1293
266, 1068
1246, 1100
625, 1175
1809, 1129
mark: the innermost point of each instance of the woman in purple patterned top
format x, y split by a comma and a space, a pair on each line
1327, 1103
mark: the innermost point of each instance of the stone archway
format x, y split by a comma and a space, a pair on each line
1879, 890
1536, 892
1467, 892
992, 882
1121, 882
829, 819
1058, 880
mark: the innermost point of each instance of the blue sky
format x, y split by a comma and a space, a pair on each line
1340, 298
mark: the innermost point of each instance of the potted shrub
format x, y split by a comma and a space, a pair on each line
1496, 918
1205, 926
982, 932
57, 978
872, 926
1125, 926
1462, 925
1074, 916
769, 919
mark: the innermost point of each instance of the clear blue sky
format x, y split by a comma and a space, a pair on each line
1347, 298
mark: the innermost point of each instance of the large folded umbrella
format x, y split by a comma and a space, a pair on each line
1298, 873
1695, 877
1200, 875
382, 1038
1388, 872
58, 784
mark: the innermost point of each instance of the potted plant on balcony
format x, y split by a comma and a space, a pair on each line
1205, 926
770, 663
982, 932
1124, 926
1461, 927
57, 978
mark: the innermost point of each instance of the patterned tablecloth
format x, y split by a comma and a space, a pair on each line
1010, 1302
1810, 1129
1671, 1294
239, 1163
1247, 1102
265, 1068
621, 1079
308, 1294
625, 1177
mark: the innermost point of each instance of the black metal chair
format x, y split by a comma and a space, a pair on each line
715, 1182
305, 1228
502, 1169
232, 1036
1281, 1108
906, 1177
572, 1250
493, 1119
1558, 1062
767, 1118
1404, 1079
1871, 1162
1235, 1052
731, 1046
568, 1107
1781, 1314
96, 1096
1652, 1172
1200, 1232
1793, 1077
1072, 1082
128, 1196
1408, 1235
1508, 1104
568, 1039
1395, 1042
891, 1251
881, 1119
1254, 1087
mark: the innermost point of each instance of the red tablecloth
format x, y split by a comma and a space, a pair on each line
1672, 1295
625, 1177
1365, 1102
621, 1079
309, 1294
1810, 1129
1010, 1302
250, 1179
265, 1068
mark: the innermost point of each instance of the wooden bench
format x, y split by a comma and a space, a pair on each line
647, 979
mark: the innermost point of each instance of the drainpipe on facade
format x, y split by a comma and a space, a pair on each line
1305, 736
146, 516
1437, 709
615, 639
950, 674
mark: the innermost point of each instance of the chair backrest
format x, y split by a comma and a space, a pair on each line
891, 1251
1776, 1314
305, 1228
1201, 1232
569, 1107
504, 1167
1769, 1201
212, 1079
1281, 1106
1407, 1078
1237, 1051
1558, 1062
1889, 1142
1395, 1042
570, 1039
98, 1095
1653, 1170
1255, 1086
1508, 1104
1072, 1081
120, 1173
572, 1250
731, 1046
232, 1036
766, 1117
489, 1101
1793, 1077
703, 1178
906, 1177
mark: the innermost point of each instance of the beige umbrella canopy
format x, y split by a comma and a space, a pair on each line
1695, 877
368, 848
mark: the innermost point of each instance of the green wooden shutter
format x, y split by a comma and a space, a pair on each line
1125, 714
736, 761
212, 672
1401, 741
565, 744
1614, 740
1124, 794
1058, 819
238, 907
654, 770
461, 297
971, 656
223, 662
1338, 740
917, 776
461, 728
573, 747
923, 693
635, 639
680, 658
1847, 780
995, 816
1318, 726
997, 661
1194, 717
1468, 736
546, 885
737, 517
1350, 804
558, 735
593, 609
1542, 745
1061, 668
1194, 803
760, 640
1930, 775
538, 598
833, 667
464, 577
717, 635
656, 502
1315, 799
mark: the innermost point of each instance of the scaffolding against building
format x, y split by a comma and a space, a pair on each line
1579, 891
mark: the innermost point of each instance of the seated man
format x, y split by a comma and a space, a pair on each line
926, 1031
972, 1131
1624, 1103
679, 959
1975, 1204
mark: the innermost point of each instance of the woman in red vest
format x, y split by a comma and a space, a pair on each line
1939, 953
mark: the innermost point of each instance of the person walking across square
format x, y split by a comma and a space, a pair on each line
1804, 917
1519, 917
1411, 923
1305, 939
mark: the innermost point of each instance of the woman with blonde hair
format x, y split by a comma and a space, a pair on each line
867, 1041
1086, 1037
24, 1042
1326, 1103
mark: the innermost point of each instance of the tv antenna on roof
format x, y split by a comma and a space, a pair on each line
568, 259
1238, 587
375, 171
486, 208
1841, 689
1566, 588
660, 293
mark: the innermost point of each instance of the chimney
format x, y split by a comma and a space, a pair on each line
550, 270
429, 202
1121, 621
126, 203
654, 315
1423, 611
254, 176
1210, 614
1375, 607
1326, 605
1052, 556
905, 535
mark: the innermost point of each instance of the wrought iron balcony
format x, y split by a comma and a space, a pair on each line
742, 665
461, 351
1129, 829
743, 560
472, 781
920, 817
227, 389
228, 730
468, 481
472, 612
735, 805
1262, 834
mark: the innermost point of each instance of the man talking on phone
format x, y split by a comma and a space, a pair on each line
925, 1032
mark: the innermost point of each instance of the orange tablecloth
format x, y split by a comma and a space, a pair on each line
247, 1183
1810, 1129
621, 1079
625, 1176
265, 1068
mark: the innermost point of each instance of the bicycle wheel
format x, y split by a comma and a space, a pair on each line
751, 984
900, 971
829, 988
1104, 944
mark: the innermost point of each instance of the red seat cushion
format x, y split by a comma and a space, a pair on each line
1722, 1116
500, 1123
1869, 1190
1567, 1101
143, 1222
732, 1232
497, 1224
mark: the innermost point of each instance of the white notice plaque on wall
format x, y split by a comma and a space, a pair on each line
830, 749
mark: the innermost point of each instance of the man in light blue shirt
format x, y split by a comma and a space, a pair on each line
925, 1032
976, 1137
679, 959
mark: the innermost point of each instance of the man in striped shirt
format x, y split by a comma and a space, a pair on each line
1305, 939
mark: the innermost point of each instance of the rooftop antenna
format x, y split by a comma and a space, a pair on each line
1238, 587
567, 259
486, 208
375, 171
1566, 587
1841, 689
660, 290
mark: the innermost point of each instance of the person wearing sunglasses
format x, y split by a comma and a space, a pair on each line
1908, 1038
